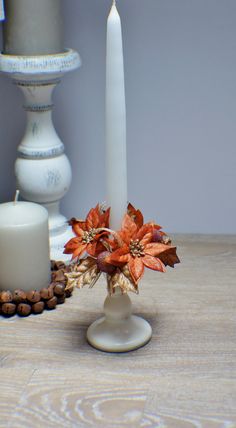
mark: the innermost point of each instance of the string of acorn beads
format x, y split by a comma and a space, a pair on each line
36, 301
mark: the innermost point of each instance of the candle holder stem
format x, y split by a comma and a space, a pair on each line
43, 172
118, 330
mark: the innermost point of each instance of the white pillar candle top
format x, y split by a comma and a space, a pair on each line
21, 214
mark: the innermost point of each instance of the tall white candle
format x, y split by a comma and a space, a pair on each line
116, 165
24, 246
32, 27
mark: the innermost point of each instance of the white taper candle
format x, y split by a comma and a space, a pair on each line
116, 165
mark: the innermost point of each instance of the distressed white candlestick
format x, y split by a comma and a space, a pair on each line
43, 171
24, 246
116, 165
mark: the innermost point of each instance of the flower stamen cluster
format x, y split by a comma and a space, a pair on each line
136, 248
88, 235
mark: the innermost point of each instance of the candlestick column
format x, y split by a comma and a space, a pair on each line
116, 164
43, 171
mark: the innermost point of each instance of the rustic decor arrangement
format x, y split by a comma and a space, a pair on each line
114, 242
121, 255
35, 301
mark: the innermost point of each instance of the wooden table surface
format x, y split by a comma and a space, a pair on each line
185, 377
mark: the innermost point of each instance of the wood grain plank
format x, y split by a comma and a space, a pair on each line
184, 377
81, 399
12, 385
199, 401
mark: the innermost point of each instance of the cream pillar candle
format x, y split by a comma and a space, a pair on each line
32, 27
116, 167
24, 246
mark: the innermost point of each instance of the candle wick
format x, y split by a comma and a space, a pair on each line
17, 196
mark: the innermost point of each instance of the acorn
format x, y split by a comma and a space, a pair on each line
59, 265
68, 292
8, 309
6, 297
23, 309
46, 293
58, 276
51, 303
61, 299
102, 265
38, 307
59, 289
53, 265
33, 296
19, 296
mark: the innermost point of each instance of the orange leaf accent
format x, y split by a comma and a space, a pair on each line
136, 268
78, 226
153, 263
146, 228
128, 226
146, 239
157, 227
104, 218
74, 247
136, 215
169, 257
119, 257
94, 248
92, 219
155, 249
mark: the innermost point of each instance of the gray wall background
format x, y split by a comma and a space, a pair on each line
180, 69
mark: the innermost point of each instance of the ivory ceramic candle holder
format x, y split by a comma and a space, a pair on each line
122, 256
42, 169
119, 330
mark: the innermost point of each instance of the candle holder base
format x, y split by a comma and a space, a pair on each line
124, 336
118, 330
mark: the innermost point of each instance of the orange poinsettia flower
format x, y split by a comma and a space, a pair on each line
137, 217
87, 238
138, 250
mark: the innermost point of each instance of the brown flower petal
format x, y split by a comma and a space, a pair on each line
92, 219
153, 263
136, 215
155, 249
145, 229
128, 226
169, 257
136, 268
119, 257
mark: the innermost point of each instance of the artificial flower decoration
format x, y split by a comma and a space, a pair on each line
122, 255
137, 250
87, 238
